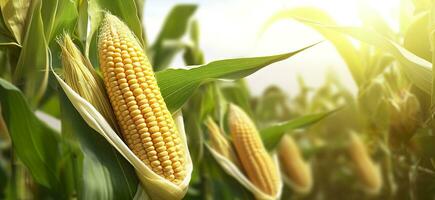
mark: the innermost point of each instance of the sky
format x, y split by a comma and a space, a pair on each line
230, 29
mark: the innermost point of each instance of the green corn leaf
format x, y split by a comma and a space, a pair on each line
35, 143
15, 15
344, 46
126, 10
32, 66
418, 70
417, 37
58, 16
178, 85
174, 27
272, 135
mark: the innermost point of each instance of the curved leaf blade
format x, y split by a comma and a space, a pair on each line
15, 15
344, 46
35, 144
272, 135
174, 27
124, 9
418, 70
177, 85
32, 66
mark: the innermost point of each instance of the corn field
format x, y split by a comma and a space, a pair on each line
92, 108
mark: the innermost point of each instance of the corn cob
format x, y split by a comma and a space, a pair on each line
146, 123
367, 170
294, 166
219, 142
83, 79
255, 160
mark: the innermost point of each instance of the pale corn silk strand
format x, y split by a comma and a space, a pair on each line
146, 123
81, 76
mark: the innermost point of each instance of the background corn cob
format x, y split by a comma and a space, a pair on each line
145, 121
294, 166
82, 77
219, 142
367, 170
255, 159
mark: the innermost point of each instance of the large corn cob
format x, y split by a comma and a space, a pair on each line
256, 161
366, 169
293, 165
146, 123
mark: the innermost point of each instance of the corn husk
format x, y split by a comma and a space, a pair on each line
81, 76
152, 185
219, 142
233, 170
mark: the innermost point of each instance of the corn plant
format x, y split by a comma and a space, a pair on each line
91, 111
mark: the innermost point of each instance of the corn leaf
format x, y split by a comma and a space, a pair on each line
418, 70
6, 37
177, 85
344, 46
238, 93
15, 15
423, 143
6, 40
140, 8
174, 27
82, 21
371, 18
417, 38
105, 174
58, 16
32, 66
126, 10
272, 135
35, 144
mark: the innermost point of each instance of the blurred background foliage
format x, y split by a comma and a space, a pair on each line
48, 152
